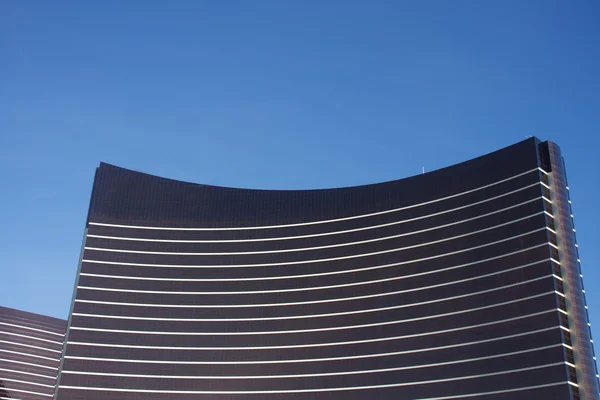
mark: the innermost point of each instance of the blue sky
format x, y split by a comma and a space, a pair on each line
277, 94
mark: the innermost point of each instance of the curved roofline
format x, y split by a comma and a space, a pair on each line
122, 196
218, 187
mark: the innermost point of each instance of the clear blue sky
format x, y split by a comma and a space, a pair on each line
277, 94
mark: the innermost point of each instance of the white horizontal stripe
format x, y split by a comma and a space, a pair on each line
175, 253
547, 199
569, 364
333, 328
31, 337
30, 346
407, 305
556, 247
573, 384
268, 239
28, 373
27, 391
24, 382
30, 364
305, 360
319, 260
321, 221
344, 373
245, 306
303, 289
29, 355
281, 277
334, 389
32, 329
330, 300
282, 290
310, 345
462, 396
546, 186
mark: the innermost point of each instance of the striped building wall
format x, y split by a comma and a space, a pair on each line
445, 285
30, 352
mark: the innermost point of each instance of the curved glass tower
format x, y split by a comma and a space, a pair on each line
460, 283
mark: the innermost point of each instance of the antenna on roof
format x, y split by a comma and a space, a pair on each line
423, 169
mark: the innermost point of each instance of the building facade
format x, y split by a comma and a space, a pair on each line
460, 283
30, 353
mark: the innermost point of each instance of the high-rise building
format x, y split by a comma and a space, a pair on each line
30, 353
459, 283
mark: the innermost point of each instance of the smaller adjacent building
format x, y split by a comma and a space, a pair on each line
30, 353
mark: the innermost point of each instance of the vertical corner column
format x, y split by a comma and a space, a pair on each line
571, 273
